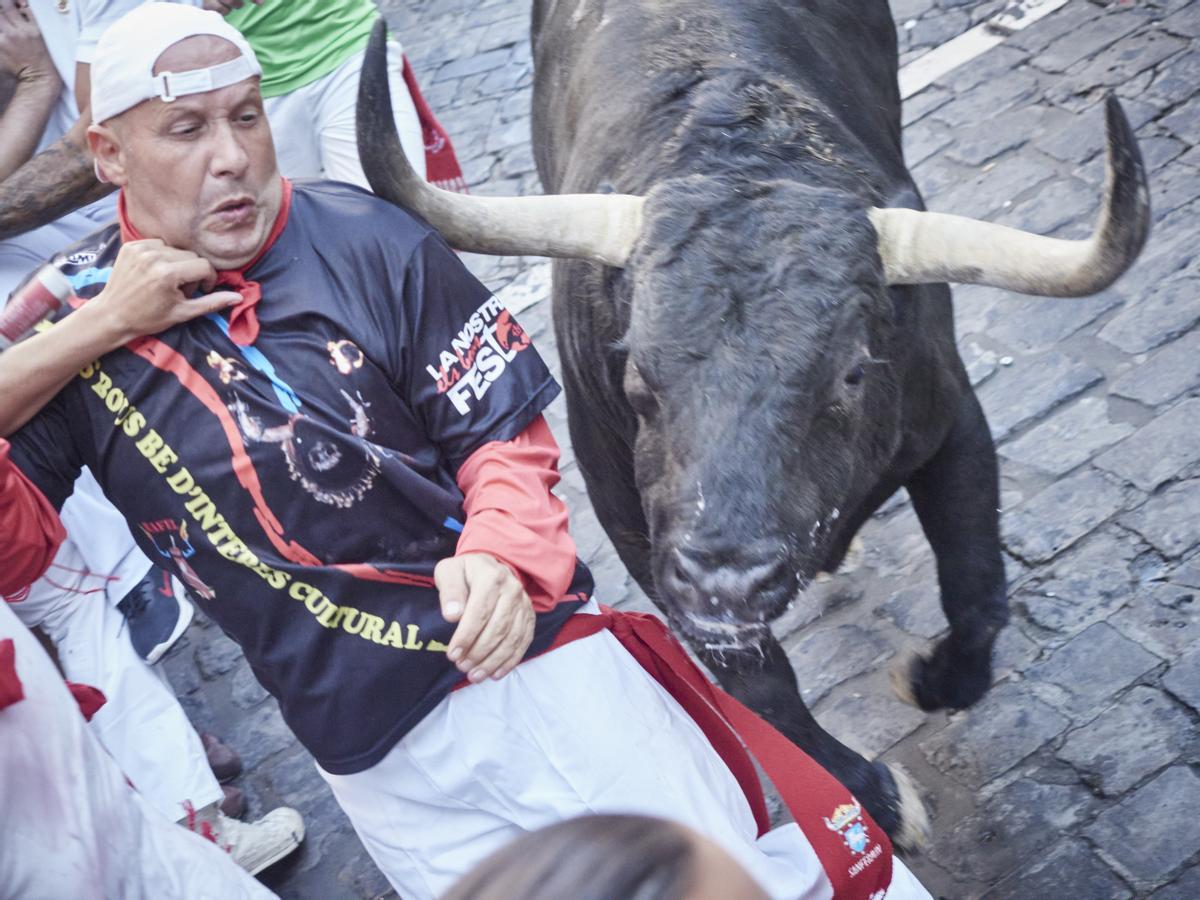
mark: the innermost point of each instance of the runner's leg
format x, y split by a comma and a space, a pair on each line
581, 729
74, 828
336, 118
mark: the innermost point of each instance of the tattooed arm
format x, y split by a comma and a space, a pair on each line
23, 57
53, 183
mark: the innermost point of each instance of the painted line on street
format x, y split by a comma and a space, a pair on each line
926, 69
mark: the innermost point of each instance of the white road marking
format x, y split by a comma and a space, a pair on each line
926, 69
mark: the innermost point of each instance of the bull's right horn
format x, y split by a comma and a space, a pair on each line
599, 227
925, 247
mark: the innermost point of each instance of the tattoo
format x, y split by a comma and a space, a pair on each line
53, 183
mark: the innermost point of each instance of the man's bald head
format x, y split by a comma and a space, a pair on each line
197, 167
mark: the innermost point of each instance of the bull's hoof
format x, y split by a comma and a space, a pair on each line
908, 826
941, 680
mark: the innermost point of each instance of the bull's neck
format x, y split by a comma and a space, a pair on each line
735, 122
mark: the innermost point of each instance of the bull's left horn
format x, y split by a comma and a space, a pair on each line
599, 227
925, 247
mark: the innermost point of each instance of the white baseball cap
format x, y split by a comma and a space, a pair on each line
123, 65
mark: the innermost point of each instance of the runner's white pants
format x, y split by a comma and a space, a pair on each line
313, 126
142, 725
71, 825
582, 729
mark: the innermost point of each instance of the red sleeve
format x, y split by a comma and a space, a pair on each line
31, 528
512, 515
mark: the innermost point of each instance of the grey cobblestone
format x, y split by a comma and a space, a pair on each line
1068, 438
871, 722
827, 657
1165, 375
1072, 862
1170, 310
1083, 586
1157, 451
1183, 679
988, 740
1045, 525
1168, 520
1088, 38
1153, 832
1165, 619
1186, 887
1031, 388
1144, 732
1092, 666
1006, 831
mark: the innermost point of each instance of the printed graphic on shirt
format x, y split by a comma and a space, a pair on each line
228, 368
333, 471
345, 356
170, 539
478, 355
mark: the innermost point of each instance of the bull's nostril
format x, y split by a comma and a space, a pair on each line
719, 578
689, 567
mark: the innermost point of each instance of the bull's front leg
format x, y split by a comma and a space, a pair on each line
956, 497
763, 679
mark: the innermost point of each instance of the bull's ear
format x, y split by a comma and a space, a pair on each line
600, 227
924, 247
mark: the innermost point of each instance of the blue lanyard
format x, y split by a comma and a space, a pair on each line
254, 356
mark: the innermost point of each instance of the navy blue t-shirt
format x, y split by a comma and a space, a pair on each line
302, 487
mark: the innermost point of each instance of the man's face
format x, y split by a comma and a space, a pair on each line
198, 172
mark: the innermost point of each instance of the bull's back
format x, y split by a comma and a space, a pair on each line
613, 78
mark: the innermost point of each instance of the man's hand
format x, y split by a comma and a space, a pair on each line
225, 7
149, 288
23, 53
494, 614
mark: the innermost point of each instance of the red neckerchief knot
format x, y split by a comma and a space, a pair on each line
243, 321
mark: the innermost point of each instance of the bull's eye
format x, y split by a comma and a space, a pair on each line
642, 401
856, 375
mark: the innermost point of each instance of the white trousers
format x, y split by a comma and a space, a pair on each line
314, 125
582, 729
142, 724
71, 825
101, 536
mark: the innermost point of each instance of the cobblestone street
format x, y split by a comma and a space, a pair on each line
1079, 774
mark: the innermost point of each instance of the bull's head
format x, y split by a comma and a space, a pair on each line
732, 519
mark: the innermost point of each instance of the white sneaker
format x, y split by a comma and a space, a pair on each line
253, 845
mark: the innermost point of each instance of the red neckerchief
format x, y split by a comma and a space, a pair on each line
243, 322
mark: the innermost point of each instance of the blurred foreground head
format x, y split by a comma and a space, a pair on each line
605, 857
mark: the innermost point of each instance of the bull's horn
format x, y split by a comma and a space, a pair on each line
924, 247
599, 227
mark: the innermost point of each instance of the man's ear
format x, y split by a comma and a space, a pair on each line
105, 145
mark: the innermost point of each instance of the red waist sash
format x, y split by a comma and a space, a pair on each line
854, 851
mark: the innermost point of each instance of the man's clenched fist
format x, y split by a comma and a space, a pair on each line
494, 614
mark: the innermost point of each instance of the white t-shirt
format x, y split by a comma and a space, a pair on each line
71, 30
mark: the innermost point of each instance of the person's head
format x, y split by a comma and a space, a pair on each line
179, 126
606, 856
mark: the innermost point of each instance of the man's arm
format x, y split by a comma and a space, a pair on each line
146, 293
55, 182
23, 55
515, 556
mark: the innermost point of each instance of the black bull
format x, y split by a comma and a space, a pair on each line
752, 379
